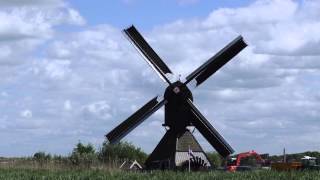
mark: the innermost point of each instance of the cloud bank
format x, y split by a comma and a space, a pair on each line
58, 87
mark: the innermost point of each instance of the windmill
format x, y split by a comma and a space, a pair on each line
180, 112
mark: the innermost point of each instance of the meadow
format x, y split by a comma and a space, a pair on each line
86, 163
34, 174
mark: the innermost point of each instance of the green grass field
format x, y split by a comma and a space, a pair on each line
10, 174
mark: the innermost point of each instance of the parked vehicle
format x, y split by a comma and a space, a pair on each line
235, 163
306, 163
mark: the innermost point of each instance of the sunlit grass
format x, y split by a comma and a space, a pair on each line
9, 173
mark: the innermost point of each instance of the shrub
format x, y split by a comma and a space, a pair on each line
83, 155
121, 151
215, 159
41, 157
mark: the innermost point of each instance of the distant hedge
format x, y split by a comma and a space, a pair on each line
121, 151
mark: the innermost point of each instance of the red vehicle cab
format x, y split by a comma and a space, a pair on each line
235, 163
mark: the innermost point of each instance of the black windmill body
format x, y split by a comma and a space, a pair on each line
180, 112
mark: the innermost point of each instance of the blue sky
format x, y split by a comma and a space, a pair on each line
69, 74
147, 14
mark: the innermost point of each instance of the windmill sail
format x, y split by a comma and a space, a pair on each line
148, 53
217, 61
134, 120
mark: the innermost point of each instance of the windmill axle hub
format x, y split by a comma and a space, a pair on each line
177, 92
177, 115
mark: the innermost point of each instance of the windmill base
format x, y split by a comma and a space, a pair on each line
172, 152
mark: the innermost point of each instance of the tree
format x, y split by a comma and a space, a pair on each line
84, 149
83, 155
121, 151
41, 157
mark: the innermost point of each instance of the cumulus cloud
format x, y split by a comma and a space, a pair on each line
24, 28
67, 105
18, 3
302, 38
84, 83
98, 110
268, 88
26, 114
